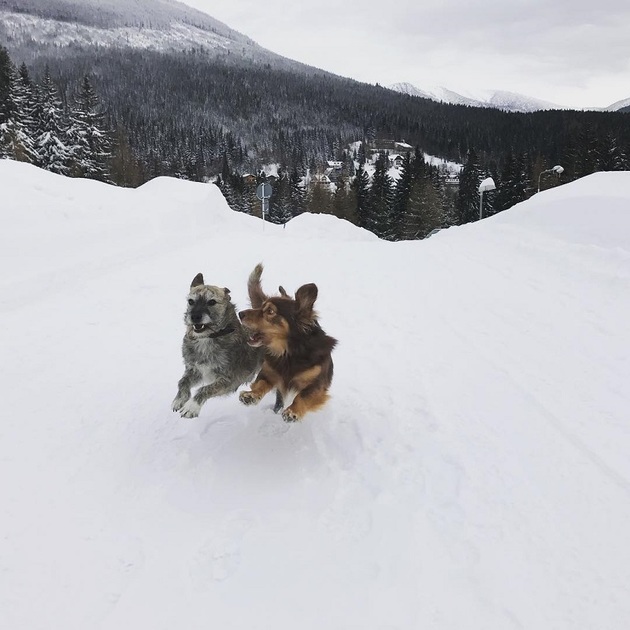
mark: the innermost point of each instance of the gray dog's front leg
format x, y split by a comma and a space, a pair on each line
190, 379
192, 407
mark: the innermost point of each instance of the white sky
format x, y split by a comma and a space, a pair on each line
570, 52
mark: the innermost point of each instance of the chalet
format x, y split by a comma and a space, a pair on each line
396, 160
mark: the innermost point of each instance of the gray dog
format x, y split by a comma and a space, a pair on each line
215, 349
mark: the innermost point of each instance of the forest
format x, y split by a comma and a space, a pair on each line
139, 114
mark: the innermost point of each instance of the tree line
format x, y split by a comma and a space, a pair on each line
36, 126
192, 117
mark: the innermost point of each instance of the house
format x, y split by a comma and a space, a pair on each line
248, 178
396, 160
335, 165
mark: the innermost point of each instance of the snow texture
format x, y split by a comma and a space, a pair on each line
471, 470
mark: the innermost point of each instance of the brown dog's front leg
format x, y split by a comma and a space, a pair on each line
260, 387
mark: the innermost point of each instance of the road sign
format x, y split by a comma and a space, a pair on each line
263, 191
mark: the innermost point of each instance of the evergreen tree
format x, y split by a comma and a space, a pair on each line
612, 158
297, 196
51, 139
402, 192
469, 180
91, 144
380, 216
280, 202
15, 139
360, 187
7, 70
344, 203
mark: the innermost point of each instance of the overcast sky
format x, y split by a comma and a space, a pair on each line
570, 52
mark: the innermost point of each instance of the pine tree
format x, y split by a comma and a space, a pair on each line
51, 139
468, 199
360, 187
612, 158
280, 203
402, 192
297, 196
15, 140
344, 203
380, 216
91, 145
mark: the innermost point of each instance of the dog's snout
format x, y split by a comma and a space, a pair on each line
196, 317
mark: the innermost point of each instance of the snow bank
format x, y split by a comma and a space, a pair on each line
471, 470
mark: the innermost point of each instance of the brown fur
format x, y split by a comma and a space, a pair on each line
298, 352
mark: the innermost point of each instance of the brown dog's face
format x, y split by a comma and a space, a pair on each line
267, 326
272, 324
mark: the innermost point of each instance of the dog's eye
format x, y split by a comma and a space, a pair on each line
191, 302
211, 302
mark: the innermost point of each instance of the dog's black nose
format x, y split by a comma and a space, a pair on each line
196, 317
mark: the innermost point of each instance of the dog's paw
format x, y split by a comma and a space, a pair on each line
248, 398
190, 409
178, 403
288, 415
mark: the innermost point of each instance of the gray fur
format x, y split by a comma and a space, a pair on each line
218, 364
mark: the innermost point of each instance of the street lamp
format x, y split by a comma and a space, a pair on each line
485, 186
557, 169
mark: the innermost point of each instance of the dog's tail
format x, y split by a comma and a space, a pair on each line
254, 288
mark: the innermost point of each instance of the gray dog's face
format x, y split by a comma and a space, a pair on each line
208, 308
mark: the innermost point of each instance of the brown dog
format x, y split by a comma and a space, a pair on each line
298, 358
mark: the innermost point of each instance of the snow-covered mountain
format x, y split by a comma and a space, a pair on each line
618, 105
498, 99
470, 471
161, 25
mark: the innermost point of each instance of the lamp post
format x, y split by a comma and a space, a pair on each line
485, 186
557, 169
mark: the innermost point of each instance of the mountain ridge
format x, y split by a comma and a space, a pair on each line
497, 99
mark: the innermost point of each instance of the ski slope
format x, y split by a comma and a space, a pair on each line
470, 472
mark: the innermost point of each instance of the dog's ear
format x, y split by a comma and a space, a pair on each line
305, 297
254, 289
197, 281
226, 291
283, 293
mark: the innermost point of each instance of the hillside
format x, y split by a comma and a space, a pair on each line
470, 471
184, 93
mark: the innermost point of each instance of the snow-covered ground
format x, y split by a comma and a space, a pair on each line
471, 471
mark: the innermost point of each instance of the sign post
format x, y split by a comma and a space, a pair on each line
263, 192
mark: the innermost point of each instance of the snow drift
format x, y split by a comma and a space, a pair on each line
471, 470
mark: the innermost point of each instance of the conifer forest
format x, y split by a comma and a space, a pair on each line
125, 117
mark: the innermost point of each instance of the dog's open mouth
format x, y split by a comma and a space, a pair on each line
198, 328
255, 339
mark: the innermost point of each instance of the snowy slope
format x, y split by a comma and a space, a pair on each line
498, 99
159, 25
470, 472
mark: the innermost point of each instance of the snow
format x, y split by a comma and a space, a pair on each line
498, 99
470, 471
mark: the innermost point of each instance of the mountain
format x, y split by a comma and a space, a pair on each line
498, 99
619, 106
186, 95
470, 471
30, 26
